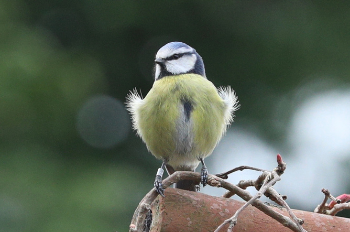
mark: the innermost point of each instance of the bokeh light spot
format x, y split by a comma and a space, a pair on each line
12, 215
103, 122
323, 121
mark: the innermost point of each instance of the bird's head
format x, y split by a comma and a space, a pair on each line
177, 58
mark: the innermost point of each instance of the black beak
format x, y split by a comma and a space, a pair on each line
159, 61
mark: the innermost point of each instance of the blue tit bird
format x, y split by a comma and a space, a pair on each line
183, 116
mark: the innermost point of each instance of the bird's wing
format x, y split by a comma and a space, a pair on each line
133, 101
231, 102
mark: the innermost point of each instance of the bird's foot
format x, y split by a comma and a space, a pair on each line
158, 181
204, 176
158, 185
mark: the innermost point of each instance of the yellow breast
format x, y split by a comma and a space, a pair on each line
161, 123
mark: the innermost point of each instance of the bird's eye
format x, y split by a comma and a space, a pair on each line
175, 56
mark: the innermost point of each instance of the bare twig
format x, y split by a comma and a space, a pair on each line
335, 206
281, 201
323, 206
233, 220
287, 222
244, 184
264, 185
330, 196
224, 175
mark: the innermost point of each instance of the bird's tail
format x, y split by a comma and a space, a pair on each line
189, 185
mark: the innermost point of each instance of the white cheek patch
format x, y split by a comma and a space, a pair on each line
181, 65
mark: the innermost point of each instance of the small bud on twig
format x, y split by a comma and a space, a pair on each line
340, 199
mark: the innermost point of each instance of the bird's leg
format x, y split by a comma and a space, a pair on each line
158, 181
204, 173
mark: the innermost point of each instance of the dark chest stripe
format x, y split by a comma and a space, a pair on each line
188, 108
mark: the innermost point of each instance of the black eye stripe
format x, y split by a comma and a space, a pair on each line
177, 56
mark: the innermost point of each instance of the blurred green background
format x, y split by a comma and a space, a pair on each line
69, 160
